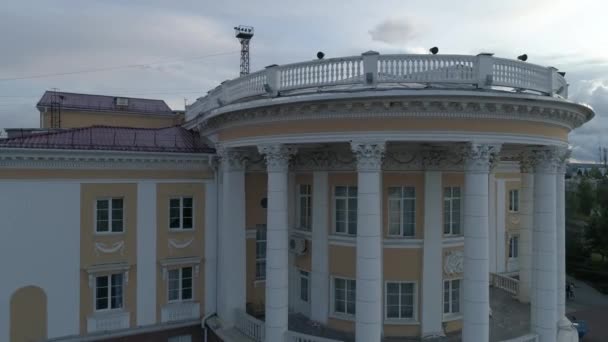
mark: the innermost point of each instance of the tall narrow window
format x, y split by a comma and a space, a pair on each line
514, 246
180, 213
109, 292
514, 200
402, 211
451, 296
400, 300
260, 252
344, 296
109, 215
346, 210
304, 286
304, 212
180, 284
451, 211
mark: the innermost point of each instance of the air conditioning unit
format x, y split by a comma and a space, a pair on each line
297, 246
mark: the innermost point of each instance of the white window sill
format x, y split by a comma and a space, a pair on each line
109, 233
398, 321
342, 316
181, 230
452, 317
343, 239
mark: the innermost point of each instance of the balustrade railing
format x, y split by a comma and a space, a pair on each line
372, 69
525, 338
506, 283
250, 326
293, 336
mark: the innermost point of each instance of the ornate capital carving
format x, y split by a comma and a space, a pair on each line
526, 161
551, 159
369, 154
231, 159
480, 157
453, 263
277, 156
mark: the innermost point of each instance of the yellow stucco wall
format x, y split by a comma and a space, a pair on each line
76, 119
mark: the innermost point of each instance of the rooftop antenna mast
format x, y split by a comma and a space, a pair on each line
244, 34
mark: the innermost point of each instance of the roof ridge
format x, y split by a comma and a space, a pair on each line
85, 94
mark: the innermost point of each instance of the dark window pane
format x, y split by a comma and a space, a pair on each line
102, 204
117, 203
117, 225
187, 201
187, 293
174, 223
174, 203
187, 223
101, 304
187, 212
340, 191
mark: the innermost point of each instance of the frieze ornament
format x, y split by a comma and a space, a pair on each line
277, 156
453, 263
324, 160
369, 154
480, 157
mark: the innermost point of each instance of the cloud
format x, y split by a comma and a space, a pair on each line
591, 135
394, 31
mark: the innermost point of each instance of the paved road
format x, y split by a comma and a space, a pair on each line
591, 306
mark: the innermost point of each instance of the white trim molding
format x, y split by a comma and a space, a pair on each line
180, 262
115, 247
98, 269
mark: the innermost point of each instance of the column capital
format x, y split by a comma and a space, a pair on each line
231, 159
550, 159
369, 154
526, 161
479, 157
277, 156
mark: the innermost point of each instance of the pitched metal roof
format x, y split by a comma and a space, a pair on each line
170, 139
90, 102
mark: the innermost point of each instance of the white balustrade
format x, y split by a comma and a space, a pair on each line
293, 336
525, 338
250, 326
182, 311
108, 321
506, 283
483, 71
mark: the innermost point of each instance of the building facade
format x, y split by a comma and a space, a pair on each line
375, 196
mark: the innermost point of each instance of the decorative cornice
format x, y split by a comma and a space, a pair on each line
369, 154
479, 157
70, 159
553, 112
277, 156
323, 160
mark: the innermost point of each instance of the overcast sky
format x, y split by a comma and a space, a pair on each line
167, 44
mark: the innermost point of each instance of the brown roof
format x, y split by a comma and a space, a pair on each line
103, 103
169, 139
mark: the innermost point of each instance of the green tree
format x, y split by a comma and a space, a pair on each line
586, 199
595, 173
597, 232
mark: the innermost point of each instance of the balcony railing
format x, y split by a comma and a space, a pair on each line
372, 69
250, 326
108, 321
293, 336
503, 282
525, 338
181, 311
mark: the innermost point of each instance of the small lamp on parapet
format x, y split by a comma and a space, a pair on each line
434, 50
320, 55
523, 57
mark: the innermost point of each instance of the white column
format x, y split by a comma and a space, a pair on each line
476, 292
432, 270
277, 240
526, 213
501, 229
211, 230
232, 237
369, 241
319, 309
492, 221
544, 246
561, 234
146, 253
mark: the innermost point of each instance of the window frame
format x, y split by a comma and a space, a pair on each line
402, 200
109, 308
451, 201
180, 292
260, 260
302, 274
451, 315
342, 315
513, 253
307, 197
346, 210
414, 318
181, 214
110, 210
514, 201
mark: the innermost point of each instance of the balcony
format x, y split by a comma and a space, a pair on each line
372, 71
108, 321
180, 311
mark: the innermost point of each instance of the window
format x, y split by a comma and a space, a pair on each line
304, 288
346, 210
451, 211
260, 252
109, 215
180, 284
401, 211
514, 200
108, 292
451, 296
400, 300
344, 296
180, 338
304, 213
514, 246
180, 213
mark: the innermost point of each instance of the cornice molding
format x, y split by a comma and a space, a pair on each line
557, 113
71, 159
